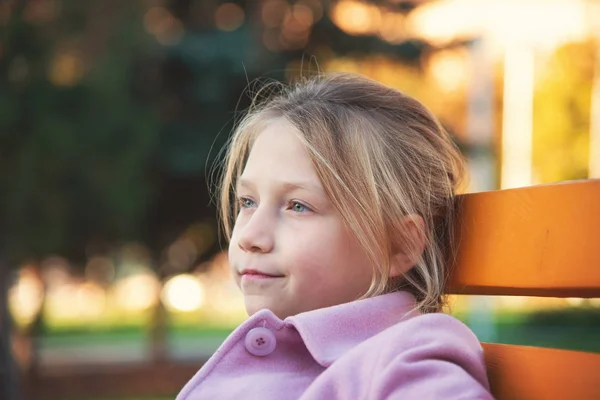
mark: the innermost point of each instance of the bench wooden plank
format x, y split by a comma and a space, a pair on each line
534, 241
521, 372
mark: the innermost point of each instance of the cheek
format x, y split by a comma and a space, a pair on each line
351, 262
330, 252
233, 251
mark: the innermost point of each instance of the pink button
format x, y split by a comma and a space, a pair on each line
260, 342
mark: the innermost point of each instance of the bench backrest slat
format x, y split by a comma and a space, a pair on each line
534, 241
521, 372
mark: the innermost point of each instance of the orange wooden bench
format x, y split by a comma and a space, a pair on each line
534, 241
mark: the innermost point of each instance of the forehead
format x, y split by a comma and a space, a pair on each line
277, 153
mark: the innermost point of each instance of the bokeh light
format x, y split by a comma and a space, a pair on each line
26, 297
75, 301
100, 269
55, 271
66, 68
183, 293
273, 11
392, 28
229, 17
449, 69
443, 22
136, 293
90, 298
167, 29
356, 17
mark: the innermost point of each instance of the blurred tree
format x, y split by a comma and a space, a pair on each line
562, 113
109, 110
77, 133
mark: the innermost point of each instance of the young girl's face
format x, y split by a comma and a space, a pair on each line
290, 250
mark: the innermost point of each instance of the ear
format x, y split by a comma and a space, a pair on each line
410, 245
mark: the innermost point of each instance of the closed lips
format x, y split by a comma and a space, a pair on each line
257, 272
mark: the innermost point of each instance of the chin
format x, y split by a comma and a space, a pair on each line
252, 307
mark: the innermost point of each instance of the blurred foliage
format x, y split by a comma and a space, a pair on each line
77, 134
570, 328
585, 317
562, 113
108, 123
111, 112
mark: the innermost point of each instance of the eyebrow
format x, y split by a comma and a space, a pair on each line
286, 186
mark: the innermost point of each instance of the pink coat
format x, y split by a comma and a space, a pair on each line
366, 349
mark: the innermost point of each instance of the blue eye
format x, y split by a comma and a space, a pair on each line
298, 207
246, 203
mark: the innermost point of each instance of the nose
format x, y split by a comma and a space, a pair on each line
256, 235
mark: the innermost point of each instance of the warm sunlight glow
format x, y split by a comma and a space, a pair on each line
26, 297
76, 301
183, 293
539, 23
517, 118
392, 27
137, 292
574, 301
355, 17
449, 69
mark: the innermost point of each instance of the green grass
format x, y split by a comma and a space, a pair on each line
569, 329
92, 338
557, 338
573, 329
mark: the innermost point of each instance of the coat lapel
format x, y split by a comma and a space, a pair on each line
330, 332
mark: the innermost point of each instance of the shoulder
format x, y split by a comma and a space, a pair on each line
437, 330
436, 336
429, 354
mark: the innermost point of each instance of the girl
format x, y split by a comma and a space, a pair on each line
337, 198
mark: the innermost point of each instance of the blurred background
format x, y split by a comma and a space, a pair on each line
112, 115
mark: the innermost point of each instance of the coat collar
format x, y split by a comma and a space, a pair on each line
330, 332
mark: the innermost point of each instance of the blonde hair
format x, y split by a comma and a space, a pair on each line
381, 156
